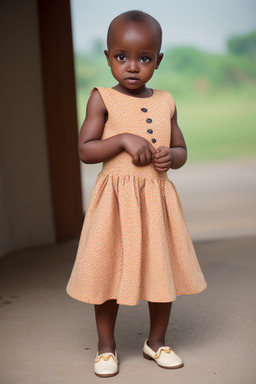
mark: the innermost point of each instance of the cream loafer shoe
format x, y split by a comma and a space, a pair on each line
106, 365
165, 357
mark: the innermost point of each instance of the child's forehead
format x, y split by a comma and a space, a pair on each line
130, 25
124, 26
135, 32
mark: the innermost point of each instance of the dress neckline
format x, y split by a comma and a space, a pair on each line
135, 97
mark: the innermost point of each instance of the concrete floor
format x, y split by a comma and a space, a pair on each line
46, 337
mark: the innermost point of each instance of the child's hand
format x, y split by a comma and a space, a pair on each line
163, 159
139, 148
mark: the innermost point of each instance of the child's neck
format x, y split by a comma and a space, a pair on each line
139, 92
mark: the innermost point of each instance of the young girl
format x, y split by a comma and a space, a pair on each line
134, 243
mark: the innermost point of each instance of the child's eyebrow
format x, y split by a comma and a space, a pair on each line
124, 51
119, 50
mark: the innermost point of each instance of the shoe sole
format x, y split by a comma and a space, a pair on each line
107, 374
151, 358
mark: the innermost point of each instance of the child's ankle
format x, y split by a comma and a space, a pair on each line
155, 345
106, 349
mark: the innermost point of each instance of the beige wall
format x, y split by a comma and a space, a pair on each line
26, 218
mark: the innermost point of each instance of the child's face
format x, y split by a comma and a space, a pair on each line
133, 54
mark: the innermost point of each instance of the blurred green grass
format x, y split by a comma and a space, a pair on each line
218, 128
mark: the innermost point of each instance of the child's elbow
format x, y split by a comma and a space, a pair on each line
83, 154
185, 155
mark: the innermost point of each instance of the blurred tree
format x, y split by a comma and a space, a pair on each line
188, 59
97, 47
245, 44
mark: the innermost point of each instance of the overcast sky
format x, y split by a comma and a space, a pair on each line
205, 24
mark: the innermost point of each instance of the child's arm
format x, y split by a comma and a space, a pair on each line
175, 156
94, 150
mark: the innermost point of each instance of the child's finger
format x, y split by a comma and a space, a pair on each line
143, 159
152, 149
135, 159
163, 165
148, 156
161, 152
163, 157
163, 149
162, 169
161, 160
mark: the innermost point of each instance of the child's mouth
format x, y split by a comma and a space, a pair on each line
132, 80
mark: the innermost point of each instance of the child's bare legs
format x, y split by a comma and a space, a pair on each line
159, 319
105, 315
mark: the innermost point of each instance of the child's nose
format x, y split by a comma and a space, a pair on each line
133, 66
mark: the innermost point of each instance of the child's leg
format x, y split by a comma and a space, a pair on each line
105, 315
159, 319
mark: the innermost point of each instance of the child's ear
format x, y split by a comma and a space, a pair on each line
159, 59
107, 56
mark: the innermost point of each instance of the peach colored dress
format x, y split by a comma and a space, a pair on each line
135, 243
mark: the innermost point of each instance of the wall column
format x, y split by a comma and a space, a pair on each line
61, 115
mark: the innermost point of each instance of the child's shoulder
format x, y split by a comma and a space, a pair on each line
163, 92
96, 101
165, 95
98, 89
105, 95
104, 92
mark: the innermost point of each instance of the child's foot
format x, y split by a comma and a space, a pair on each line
165, 357
106, 365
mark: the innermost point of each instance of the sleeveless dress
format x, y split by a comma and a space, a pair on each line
134, 243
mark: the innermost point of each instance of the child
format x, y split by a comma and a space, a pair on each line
134, 243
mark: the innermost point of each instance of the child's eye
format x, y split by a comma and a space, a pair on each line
120, 57
145, 59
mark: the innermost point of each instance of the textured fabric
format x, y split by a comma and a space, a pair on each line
135, 243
